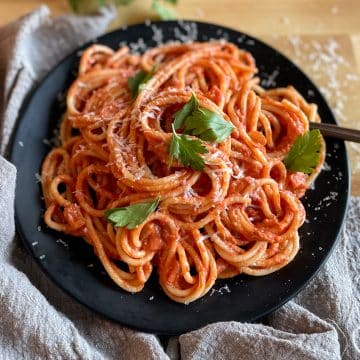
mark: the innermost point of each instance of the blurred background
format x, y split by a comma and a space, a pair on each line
321, 36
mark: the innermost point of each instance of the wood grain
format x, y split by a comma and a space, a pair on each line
255, 17
304, 30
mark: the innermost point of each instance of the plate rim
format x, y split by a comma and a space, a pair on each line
9, 154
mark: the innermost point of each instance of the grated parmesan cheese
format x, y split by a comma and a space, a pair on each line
158, 36
223, 290
334, 10
285, 20
62, 242
38, 177
269, 80
186, 31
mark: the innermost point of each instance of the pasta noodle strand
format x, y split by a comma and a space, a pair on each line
240, 215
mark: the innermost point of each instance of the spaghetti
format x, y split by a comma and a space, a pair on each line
241, 214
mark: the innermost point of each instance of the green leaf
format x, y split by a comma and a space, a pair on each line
85, 6
186, 151
174, 2
208, 126
180, 116
138, 81
304, 154
133, 215
148, 76
74, 5
201, 122
123, 2
135, 81
163, 12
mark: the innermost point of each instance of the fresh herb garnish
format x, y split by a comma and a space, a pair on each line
180, 116
186, 151
74, 5
138, 81
123, 2
133, 215
208, 125
304, 154
163, 12
201, 122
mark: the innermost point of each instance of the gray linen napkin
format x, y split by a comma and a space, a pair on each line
39, 321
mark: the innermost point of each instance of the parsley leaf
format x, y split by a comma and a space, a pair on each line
74, 5
163, 12
133, 215
208, 126
123, 2
201, 122
304, 154
186, 150
180, 116
138, 81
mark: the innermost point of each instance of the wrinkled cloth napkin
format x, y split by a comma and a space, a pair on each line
39, 321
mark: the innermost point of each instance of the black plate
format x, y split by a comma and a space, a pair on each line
71, 264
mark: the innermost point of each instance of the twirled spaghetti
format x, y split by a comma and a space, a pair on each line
241, 214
